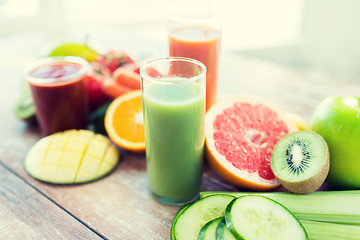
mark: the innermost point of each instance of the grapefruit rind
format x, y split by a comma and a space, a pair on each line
298, 121
220, 164
138, 147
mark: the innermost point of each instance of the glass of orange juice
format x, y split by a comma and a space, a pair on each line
197, 36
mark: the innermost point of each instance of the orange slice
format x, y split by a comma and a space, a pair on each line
124, 122
241, 132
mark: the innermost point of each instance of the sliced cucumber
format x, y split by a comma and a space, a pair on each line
328, 206
208, 231
172, 230
187, 226
257, 217
222, 232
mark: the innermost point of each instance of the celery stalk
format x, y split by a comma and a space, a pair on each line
333, 206
330, 231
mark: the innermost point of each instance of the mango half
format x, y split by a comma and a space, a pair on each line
73, 156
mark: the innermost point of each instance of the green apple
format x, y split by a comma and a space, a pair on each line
74, 49
337, 120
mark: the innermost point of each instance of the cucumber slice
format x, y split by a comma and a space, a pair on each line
172, 230
222, 232
208, 231
328, 206
257, 217
187, 226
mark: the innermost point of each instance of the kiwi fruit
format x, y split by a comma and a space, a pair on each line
301, 161
24, 108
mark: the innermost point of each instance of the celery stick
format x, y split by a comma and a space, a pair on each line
336, 207
329, 231
344, 192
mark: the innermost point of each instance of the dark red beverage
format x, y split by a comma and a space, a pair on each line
58, 87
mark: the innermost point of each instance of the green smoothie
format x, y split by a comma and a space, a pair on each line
174, 116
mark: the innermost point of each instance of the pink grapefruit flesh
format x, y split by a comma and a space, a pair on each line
241, 133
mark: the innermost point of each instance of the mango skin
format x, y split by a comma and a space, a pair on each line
73, 156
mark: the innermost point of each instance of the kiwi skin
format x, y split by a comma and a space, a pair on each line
24, 108
312, 183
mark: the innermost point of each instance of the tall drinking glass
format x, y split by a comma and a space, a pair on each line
198, 38
173, 97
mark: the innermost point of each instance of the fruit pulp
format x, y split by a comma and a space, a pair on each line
174, 116
72, 156
60, 104
202, 44
241, 132
251, 139
55, 70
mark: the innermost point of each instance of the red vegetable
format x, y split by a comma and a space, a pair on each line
132, 66
114, 89
96, 95
127, 78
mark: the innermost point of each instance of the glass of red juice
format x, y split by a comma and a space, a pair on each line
58, 88
198, 37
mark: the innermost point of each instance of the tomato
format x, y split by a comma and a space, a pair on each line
127, 78
96, 95
132, 66
113, 60
121, 74
114, 89
152, 72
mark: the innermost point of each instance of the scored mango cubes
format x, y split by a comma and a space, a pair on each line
73, 156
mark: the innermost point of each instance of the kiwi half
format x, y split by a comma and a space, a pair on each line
24, 107
300, 161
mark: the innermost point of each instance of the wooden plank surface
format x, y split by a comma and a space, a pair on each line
120, 205
291, 88
27, 214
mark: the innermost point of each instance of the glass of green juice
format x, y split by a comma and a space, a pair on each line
174, 98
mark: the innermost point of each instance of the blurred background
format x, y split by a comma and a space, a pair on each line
316, 35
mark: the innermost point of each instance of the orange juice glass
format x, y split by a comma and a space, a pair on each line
198, 38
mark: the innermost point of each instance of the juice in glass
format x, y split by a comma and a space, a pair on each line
174, 118
58, 89
200, 43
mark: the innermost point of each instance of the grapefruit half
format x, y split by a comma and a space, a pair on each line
241, 132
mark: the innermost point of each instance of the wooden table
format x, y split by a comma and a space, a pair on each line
120, 205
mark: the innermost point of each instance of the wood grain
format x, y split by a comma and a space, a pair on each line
27, 214
292, 89
120, 205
